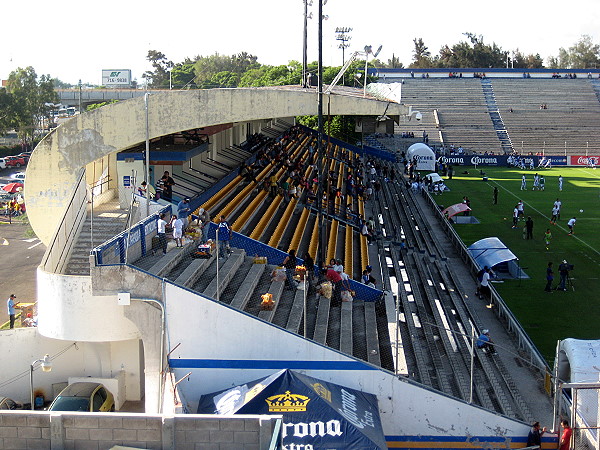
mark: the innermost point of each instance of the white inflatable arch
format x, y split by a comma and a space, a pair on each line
425, 156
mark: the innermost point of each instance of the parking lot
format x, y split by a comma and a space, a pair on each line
20, 254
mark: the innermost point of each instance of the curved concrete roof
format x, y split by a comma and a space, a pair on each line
60, 157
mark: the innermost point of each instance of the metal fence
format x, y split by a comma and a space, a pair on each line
584, 403
513, 325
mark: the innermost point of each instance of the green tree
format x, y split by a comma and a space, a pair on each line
205, 67
30, 97
421, 55
473, 54
340, 127
6, 111
183, 76
394, 63
223, 79
584, 54
159, 77
531, 61
58, 84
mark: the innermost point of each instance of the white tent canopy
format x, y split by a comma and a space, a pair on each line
425, 156
434, 177
578, 362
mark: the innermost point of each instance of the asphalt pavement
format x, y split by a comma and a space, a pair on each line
20, 255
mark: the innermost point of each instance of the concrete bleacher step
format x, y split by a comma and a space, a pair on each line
371, 334
194, 271
276, 290
244, 293
173, 257
227, 271
346, 335
296, 313
320, 334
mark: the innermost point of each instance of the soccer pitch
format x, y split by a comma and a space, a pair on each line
546, 317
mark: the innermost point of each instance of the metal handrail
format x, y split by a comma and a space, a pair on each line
71, 231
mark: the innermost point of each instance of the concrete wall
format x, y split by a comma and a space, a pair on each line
20, 347
88, 137
44, 430
68, 310
228, 347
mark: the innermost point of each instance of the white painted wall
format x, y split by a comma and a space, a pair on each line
131, 169
68, 310
20, 347
210, 330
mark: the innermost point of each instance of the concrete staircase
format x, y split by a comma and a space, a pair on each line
108, 220
501, 131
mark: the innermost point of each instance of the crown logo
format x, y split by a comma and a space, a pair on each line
287, 402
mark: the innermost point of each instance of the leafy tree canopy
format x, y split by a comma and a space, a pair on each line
584, 54
30, 98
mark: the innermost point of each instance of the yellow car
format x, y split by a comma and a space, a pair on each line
84, 396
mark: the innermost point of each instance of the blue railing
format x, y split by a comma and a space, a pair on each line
276, 256
137, 239
364, 151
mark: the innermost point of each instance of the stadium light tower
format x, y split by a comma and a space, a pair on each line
307, 3
342, 35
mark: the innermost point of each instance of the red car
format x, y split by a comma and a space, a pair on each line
15, 161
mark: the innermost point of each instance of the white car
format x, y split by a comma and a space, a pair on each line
19, 176
2, 163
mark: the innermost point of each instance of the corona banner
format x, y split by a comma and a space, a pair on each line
316, 414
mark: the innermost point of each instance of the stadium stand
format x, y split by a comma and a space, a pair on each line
434, 316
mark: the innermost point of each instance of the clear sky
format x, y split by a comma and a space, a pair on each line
75, 40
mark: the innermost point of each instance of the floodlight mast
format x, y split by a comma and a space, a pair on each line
304, 45
320, 152
342, 35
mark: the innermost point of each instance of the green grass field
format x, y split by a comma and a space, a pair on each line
546, 317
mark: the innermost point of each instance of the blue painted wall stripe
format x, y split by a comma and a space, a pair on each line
266, 364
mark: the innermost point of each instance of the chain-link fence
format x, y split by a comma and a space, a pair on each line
583, 402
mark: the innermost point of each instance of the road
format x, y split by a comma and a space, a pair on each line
20, 256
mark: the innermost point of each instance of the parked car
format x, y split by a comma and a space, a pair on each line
19, 176
15, 161
2, 163
25, 156
84, 396
8, 403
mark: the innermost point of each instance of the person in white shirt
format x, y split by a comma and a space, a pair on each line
554, 215
560, 182
571, 225
557, 205
162, 238
177, 225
